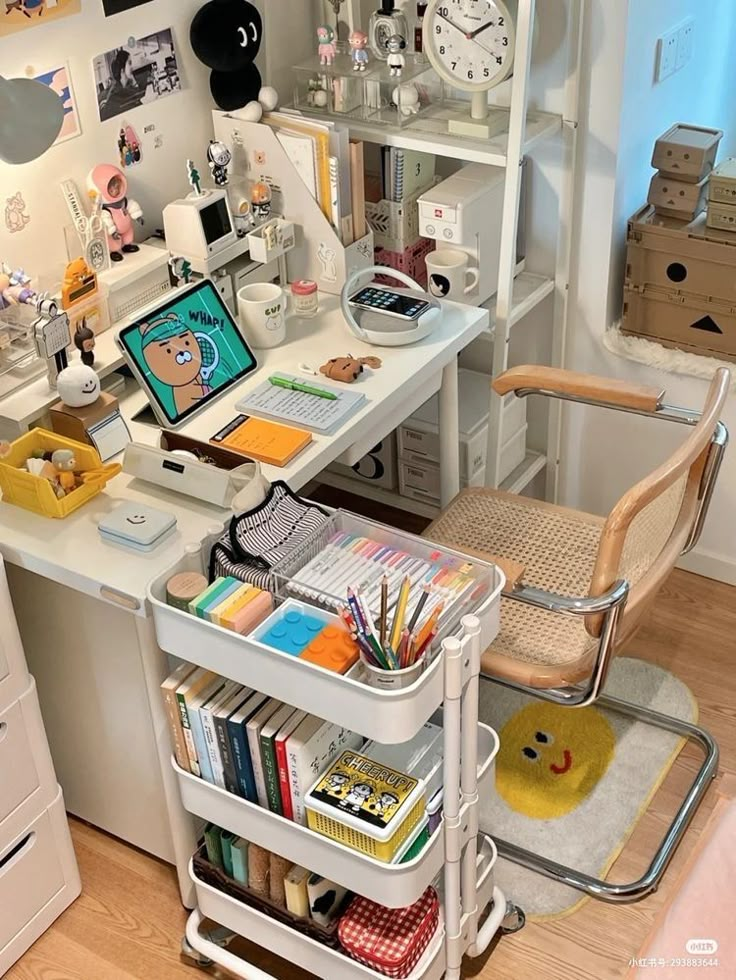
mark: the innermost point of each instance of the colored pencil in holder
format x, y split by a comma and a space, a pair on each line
384, 610
398, 623
420, 606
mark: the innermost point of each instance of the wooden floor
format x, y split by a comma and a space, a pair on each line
128, 923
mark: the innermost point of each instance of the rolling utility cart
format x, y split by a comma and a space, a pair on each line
472, 907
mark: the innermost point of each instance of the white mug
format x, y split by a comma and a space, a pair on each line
448, 275
262, 312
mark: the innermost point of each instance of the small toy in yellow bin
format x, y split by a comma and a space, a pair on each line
66, 463
366, 805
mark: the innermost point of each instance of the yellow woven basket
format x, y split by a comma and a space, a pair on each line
36, 494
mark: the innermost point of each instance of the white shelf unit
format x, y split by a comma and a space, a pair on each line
517, 296
450, 684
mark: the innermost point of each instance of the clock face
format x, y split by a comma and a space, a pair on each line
470, 42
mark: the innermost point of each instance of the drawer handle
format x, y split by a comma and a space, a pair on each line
3, 730
23, 846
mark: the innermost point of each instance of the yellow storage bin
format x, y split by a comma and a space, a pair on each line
36, 494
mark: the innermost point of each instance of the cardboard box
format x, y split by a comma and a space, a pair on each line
676, 198
722, 184
687, 152
684, 321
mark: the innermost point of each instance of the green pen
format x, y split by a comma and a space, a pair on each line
298, 386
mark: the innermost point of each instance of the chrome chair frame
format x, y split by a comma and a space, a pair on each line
611, 606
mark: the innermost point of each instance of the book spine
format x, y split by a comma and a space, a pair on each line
172, 711
241, 758
255, 758
271, 775
284, 784
204, 768
210, 737
188, 737
298, 780
228, 765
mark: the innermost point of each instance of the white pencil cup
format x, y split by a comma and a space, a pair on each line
392, 680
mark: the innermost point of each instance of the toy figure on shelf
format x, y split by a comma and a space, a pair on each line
65, 463
180, 269
317, 92
195, 181
358, 42
79, 281
15, 288
118, 211
406, 97
326, 47
84, 341
52, 336
78, 386
396, 60
219, 157
260, 199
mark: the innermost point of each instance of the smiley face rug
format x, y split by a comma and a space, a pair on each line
571, 783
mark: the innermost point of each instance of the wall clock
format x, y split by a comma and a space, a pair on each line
471, 44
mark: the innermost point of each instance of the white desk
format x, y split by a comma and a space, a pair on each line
81, 603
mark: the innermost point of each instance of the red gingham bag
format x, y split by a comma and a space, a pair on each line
390, 941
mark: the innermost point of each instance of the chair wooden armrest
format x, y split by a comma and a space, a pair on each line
513, 571
574, 386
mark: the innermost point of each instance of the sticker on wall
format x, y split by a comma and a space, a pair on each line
118, 6
158, 141
16, 218
18, 15
326, 256
138, 73
129, 146
60, 80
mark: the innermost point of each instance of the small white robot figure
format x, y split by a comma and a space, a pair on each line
396, 60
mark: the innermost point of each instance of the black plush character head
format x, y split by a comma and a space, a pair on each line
226, 36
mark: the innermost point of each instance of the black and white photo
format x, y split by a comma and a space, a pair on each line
136, 73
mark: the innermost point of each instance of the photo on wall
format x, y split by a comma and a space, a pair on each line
118, 6
18, 15
138, 73
60, 80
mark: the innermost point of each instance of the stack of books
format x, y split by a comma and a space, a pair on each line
251, 745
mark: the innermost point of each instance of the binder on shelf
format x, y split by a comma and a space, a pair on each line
319, 253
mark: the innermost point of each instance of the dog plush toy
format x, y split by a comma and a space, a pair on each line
226, 35
348, 369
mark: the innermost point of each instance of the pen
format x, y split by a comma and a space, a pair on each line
298, 386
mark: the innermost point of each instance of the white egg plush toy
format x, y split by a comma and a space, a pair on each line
78, 386
252, 112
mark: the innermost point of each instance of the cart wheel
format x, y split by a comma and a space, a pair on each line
514, 921
187, 951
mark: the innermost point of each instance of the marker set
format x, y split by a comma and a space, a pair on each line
440, 584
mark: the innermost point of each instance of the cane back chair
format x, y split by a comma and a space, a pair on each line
577, 584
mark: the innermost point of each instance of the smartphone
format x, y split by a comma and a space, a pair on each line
399, 305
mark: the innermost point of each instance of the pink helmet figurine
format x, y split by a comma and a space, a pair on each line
109, 183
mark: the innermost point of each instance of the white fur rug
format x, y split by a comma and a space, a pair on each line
663, 358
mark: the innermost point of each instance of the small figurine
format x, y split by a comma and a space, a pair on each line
219, 157
118, 211
180, 269
65, 463
79, 281
260, 199
396, 61
316, 92
195, 181
326, 47
358, 42
15, 287
84, 341
406, 97
78, 386
348, 369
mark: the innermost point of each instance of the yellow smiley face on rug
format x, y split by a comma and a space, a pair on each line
551, 758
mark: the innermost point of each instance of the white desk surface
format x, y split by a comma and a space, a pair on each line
71, 551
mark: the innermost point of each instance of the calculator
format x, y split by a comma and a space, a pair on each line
399, 305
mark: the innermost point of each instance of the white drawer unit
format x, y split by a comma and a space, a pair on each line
421, 481
419, 437
27, 780
38, 880
13, 670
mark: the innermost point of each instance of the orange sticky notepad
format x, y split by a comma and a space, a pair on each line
270, 442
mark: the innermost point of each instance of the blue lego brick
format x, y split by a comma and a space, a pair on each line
293, 632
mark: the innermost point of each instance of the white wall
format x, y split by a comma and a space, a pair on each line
604, 454
182, 120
